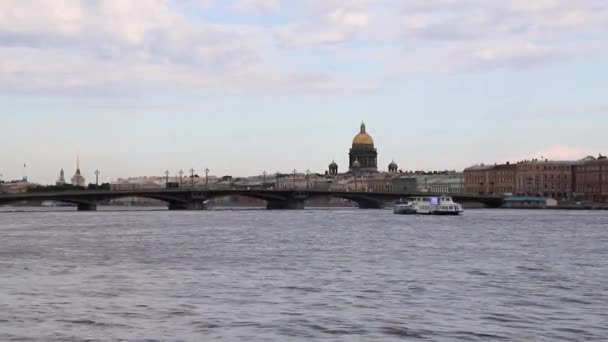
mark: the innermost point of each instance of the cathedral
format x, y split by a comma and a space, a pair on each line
363, 155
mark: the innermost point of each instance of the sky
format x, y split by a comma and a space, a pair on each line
137, 87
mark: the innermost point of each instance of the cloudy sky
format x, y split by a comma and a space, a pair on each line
242, 86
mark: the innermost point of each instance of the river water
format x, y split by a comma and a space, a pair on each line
313, 275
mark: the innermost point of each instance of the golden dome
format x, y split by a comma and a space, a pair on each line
363, 138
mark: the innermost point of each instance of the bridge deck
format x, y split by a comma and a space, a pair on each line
277, 198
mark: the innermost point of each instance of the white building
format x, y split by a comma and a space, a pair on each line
78, 179
443, 182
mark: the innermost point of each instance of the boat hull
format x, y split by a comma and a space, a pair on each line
447, 213
405, 212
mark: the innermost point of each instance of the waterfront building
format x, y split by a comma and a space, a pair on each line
16, 186
539, 178
297, 181
61, 179
363, 155
78, 179
591, 179
437, 182
137, 183
382, 182
490, 179
545, 178
477, 179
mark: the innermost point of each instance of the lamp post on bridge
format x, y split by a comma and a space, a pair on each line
294, 178
181, 174
206, 177
264, 179
192, 177
97, 178
167, 177
307, 178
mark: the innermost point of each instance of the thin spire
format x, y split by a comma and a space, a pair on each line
363, 127
78, 164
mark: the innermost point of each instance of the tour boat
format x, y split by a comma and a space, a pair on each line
443, 205
404, 208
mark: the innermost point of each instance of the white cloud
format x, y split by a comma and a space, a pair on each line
335, 26
81, 45
250, 7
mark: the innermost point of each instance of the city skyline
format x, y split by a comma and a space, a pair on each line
569, 155
242, 87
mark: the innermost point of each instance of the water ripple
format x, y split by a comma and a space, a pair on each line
315, 275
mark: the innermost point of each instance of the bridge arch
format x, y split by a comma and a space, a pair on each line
273, 200
363, 201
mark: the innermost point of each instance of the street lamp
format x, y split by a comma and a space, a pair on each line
294, 178
264, 182
206, 177
192, 177
181, 174
167, 177
307, 178
97, 178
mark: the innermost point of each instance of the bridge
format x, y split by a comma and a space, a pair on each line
195, 199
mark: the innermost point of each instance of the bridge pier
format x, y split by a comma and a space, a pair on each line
371, 205
187, 206
290, 204
87, 207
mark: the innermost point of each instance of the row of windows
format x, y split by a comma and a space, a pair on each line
590, 168
591, 189
545, 168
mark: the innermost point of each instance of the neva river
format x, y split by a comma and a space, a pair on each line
313, 275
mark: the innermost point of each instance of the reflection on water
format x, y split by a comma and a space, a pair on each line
338, 275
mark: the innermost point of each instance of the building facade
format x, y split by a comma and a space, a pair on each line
382, 182
591, 179
490, 179
438, 182
536, 178
545, 178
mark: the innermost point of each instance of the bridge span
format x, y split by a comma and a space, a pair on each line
195, 199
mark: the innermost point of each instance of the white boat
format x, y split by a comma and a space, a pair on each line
404, 208
428, 205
